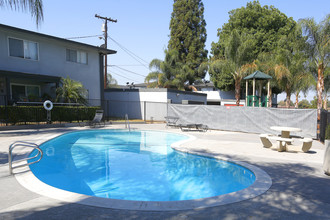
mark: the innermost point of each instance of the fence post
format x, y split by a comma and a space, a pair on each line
6, 110
145, 111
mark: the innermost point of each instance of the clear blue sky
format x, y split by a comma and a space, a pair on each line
142, 27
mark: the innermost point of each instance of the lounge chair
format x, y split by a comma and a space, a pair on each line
195, 127
265, 141
97, 119
171, 121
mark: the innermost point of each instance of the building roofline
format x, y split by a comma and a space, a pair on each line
32, 76
99, 49
153, 90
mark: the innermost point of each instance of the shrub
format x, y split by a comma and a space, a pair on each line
327, 133
19, 114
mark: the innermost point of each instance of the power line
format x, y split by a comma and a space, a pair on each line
131, 54
122, 76
70, 38
128, 71
126, 65
123, 73
124, 48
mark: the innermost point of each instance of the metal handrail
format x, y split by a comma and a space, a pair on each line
127, 125
22, 144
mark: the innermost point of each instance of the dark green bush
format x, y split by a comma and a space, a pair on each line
327, 133
25, 114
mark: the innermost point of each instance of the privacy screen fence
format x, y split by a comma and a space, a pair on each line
247, 119
230, 118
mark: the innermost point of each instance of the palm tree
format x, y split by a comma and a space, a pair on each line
112, 82
303, 83
237, 60
318, 40
169, 73
266, 64
34, 6
290, 69
71, 91
156, 78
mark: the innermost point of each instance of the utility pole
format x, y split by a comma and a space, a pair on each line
106, 46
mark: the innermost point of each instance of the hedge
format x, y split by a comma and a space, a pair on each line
19, 114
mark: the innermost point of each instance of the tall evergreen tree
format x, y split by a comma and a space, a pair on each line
188, 36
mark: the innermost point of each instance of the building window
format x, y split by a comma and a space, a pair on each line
23, 49
76, 56
24, 92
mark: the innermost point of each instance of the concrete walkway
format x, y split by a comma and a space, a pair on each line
300, 190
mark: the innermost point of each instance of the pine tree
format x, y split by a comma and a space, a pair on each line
188, 36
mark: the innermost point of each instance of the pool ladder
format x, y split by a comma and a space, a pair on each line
22, 144
127, 123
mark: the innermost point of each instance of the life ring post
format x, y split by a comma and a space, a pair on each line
48, 105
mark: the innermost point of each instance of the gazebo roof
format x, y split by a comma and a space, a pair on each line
258, 75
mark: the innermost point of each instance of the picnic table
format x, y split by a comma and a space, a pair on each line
285, 131
285, 138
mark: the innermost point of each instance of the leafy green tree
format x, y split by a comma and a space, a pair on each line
188, 37
314, 102
326, 88
304, 104
266, 24
318, 51
34, 6
71, 91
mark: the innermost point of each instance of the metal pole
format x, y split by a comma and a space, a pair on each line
254, 92
268, 90
106, 46
106, 55
260, 91
246, 93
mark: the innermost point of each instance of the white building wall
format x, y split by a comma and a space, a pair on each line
153, 96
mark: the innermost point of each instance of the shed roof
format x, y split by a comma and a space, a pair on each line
258, 75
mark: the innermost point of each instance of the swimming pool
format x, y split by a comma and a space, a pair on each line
136, 165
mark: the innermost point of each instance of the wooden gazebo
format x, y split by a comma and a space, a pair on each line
256, 100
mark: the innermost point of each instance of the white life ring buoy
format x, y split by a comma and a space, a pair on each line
48, 105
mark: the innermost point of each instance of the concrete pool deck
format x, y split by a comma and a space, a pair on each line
299, 188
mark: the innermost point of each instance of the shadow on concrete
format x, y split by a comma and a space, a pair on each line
299, 191
3, 158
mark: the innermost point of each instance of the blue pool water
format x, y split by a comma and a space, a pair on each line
136, 165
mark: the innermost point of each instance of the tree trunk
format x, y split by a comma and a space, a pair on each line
192, 88
325, 100
288, 99
270, 98
237, 91
297, 100
319, 89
